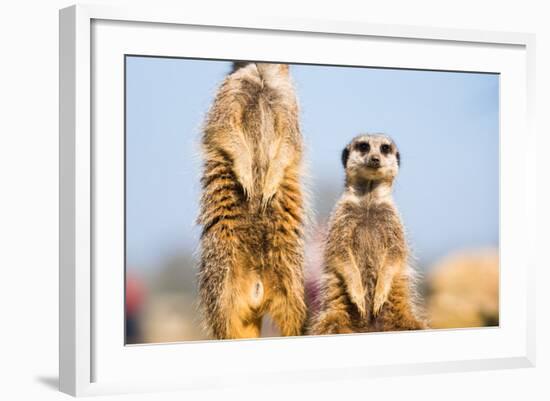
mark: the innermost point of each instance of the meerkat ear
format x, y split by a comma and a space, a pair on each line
345, 156
283, 69
237, 65
398, 157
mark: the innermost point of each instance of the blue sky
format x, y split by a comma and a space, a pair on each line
446, 125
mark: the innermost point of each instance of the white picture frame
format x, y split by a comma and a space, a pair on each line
95, 361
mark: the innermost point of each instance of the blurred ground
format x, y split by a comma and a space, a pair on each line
461, 290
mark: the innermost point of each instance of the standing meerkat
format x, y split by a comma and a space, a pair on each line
366, 279
251, 208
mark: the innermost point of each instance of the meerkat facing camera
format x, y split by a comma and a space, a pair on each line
251, 208
367, 279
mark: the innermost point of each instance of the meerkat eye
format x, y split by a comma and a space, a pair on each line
385, 148
363, 147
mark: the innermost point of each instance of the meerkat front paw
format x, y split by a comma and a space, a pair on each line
357, 296
383, 286
378, 302
243, 170
246, 184
271, 186
267, 197
246, 180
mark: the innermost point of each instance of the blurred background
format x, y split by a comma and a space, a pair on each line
446, 125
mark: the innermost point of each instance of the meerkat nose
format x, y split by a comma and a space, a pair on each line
373, 161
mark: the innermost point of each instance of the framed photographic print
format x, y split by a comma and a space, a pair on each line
275, 200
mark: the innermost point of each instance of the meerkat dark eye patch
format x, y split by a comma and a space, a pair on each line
385, 148
345, 156
398, 157
362, 147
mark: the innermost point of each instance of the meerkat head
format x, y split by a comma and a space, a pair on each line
371, 157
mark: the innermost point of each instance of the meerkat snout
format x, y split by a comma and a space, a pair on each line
373, 161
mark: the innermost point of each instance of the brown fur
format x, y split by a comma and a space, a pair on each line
251, 207
366, 280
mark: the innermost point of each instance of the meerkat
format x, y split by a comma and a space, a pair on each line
251, 210
366, 281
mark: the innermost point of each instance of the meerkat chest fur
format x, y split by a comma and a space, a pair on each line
376, 233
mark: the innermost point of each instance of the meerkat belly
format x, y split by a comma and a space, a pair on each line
374, 235
370, 246
371, 255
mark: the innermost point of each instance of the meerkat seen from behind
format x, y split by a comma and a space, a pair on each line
366, 283
252, 206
